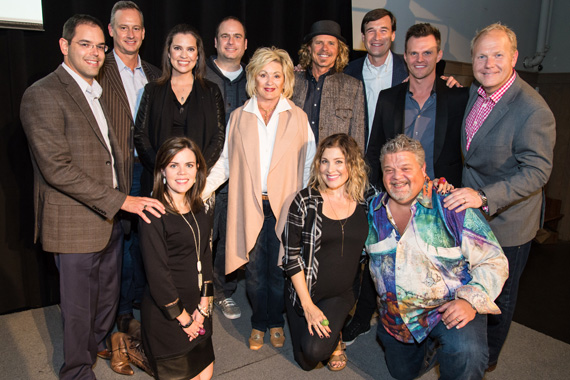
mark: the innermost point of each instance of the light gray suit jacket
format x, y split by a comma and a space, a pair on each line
510, 159
342, 105
74, 198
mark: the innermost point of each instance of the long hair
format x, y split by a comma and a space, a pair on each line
357, 182
305, 59
199, 70
165, 155
262, 57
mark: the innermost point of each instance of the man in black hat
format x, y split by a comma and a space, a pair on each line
333, 101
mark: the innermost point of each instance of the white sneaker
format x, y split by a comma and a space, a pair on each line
229, 308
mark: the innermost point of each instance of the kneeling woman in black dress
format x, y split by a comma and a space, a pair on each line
324, 240
175, 311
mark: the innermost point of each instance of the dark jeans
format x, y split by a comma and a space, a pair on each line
498, 325
89, 286
264, 280
309, 350
461, 353
224, 285
133, 278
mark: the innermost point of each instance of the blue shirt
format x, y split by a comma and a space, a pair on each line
419, 124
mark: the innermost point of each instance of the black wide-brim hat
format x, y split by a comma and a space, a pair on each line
327, 27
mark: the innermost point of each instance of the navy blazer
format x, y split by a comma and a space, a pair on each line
399, 73
389, 122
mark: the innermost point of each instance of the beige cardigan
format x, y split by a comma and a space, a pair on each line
285, 178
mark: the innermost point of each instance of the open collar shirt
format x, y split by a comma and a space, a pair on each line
441, 256
375, 80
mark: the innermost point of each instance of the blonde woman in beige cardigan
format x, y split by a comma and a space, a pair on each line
267, 157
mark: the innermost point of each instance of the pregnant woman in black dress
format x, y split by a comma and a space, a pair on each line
175, 312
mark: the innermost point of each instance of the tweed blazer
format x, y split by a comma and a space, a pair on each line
74, 198
285, 178
390, 118
119, 110
399, 73
510, 159
342, 105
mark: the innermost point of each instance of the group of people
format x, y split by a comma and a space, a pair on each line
304, 176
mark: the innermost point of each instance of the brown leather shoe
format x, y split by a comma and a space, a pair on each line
120, 358
277, 337
256, 339
137, 355
105, 354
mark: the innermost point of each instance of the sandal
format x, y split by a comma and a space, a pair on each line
338, 356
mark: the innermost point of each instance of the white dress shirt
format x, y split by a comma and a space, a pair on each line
221, 170
376, 79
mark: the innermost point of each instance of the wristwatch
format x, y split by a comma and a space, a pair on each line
483, 197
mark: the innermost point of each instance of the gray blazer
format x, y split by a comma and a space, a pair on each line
74, 198
510, 159
342, 105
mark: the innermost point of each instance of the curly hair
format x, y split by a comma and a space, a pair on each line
357, 182
164, 156
262, 57
305, 59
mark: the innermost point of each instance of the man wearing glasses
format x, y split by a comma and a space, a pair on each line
78, 189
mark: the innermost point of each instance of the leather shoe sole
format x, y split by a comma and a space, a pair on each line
105, 354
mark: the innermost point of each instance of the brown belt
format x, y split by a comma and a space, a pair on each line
265, 197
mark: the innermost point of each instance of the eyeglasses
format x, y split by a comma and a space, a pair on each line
88, 46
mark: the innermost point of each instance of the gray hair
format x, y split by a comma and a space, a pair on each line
120, 5
403, 143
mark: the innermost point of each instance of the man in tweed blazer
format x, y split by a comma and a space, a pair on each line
123, 77
78, 190
507, 142
333, 101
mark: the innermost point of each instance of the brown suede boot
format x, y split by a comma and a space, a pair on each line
119, 356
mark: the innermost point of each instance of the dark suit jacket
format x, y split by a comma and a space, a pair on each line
74, 198
119, 111
389, 122
154, 124
510, 159
399, 73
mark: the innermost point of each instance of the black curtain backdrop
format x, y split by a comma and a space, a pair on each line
28, 277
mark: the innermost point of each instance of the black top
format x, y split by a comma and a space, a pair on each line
338, 266
169, 255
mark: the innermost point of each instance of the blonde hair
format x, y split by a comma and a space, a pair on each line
262, 57
357, 182
500, 27
305, 59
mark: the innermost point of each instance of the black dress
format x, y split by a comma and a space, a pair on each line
170, 261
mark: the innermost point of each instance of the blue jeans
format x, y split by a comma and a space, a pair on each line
264, 280
498, 325
133, 278
224, 285
461, 353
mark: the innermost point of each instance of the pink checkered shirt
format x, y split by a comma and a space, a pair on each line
483, 107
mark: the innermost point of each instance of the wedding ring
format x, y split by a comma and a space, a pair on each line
457, 319
325, 322
144, 207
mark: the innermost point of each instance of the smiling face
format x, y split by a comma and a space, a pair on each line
422, 56
230, 43
80, 54
493, 60
128, 32
324, 50
378, 37
269, 81
333, 169
403, 176
180, 173
183, 54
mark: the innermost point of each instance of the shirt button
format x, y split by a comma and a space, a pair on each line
312, 122
108, 163
314, 105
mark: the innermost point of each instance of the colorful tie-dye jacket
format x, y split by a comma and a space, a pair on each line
441, 256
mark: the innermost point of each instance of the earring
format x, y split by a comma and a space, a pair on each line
164, 180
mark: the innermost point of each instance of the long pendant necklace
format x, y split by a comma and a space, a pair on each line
267, 113
341, 223
197, 243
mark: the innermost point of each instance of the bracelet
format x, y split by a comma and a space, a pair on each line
207, 289
204, 313
188, 324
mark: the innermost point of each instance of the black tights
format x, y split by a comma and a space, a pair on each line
309, 350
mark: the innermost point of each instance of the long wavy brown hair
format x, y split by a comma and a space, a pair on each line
305, 59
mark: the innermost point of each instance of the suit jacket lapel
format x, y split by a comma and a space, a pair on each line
472, 98
78, 97
390, 131
114, 78
441, 113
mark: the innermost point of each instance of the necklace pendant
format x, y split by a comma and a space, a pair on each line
200, 280
199, 266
